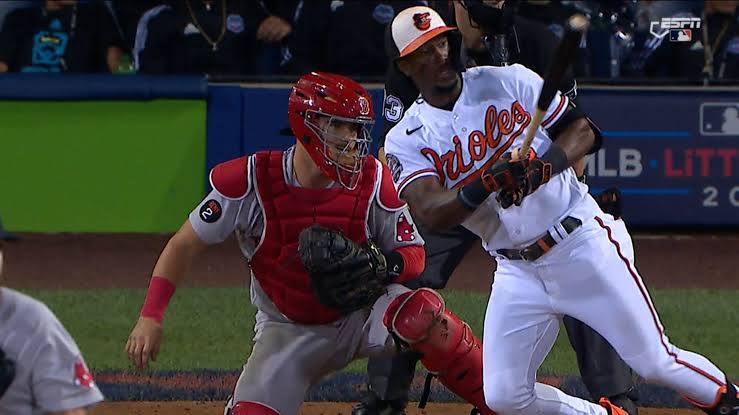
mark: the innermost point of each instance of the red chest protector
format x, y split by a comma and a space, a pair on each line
287, 211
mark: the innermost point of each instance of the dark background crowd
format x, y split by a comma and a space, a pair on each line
264, 39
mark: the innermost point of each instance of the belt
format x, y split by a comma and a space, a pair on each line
541, 246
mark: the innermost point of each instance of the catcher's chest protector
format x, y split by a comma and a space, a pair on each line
287, 211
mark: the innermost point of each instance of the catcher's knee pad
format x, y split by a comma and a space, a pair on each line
450, 349
251, 408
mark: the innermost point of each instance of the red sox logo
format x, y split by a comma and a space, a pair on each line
364, 106
422, 21
404, 232
82, 376
451, 164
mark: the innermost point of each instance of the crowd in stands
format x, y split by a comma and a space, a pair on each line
290, 37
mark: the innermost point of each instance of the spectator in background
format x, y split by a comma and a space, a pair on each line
554, 15
529, 42
215, 37
128, 13
60, 36
274, 31
278, 25
9, 5
345, 37
712, 52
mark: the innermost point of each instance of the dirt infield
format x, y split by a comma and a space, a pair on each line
125, 260
313, 408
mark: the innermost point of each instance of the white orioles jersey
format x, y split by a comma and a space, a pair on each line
489, 119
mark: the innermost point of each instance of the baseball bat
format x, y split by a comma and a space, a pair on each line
565, 55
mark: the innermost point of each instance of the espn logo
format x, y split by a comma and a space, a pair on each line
681, 35
680, 29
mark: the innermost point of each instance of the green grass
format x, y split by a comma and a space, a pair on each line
212, 327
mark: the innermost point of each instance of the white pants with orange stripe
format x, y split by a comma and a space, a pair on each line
590, 276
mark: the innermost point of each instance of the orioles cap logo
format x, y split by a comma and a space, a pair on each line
364, 107
422, 21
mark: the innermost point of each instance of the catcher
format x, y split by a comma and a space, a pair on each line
329, 242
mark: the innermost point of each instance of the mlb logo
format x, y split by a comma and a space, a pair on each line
719, 118
681, 35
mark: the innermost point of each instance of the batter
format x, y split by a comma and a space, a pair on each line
557, 252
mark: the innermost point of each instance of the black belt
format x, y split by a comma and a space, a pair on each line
541, 246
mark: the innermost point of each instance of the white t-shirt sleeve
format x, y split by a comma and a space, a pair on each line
529, 85
60, 379
215, 218
406, 160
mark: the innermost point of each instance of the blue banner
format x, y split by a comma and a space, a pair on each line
673, 153
97, 87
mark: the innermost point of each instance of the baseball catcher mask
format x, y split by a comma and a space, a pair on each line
332, 116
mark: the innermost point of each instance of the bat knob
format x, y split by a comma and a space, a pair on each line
517, 153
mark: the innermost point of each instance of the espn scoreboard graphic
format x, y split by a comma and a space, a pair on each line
679, 29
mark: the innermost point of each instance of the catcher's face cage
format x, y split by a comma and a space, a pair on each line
345, 144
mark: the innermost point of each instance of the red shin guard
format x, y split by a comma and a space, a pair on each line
450, 349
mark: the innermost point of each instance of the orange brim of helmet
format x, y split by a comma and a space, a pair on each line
421, 40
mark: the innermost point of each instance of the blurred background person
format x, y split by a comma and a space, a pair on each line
60, 36
127, 13
216, 37
9, 5
552, 14
344, 37
274, 33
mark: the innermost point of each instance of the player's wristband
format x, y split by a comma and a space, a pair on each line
157, 298
473, 194
557, 158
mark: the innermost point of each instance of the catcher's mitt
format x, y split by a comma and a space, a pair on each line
346, 276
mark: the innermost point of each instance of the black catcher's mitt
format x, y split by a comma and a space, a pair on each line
346, 276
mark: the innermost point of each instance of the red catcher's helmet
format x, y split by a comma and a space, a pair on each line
318, 103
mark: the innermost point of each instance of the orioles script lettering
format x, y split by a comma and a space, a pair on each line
498, 124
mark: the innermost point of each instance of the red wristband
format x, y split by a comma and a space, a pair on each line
157, 298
